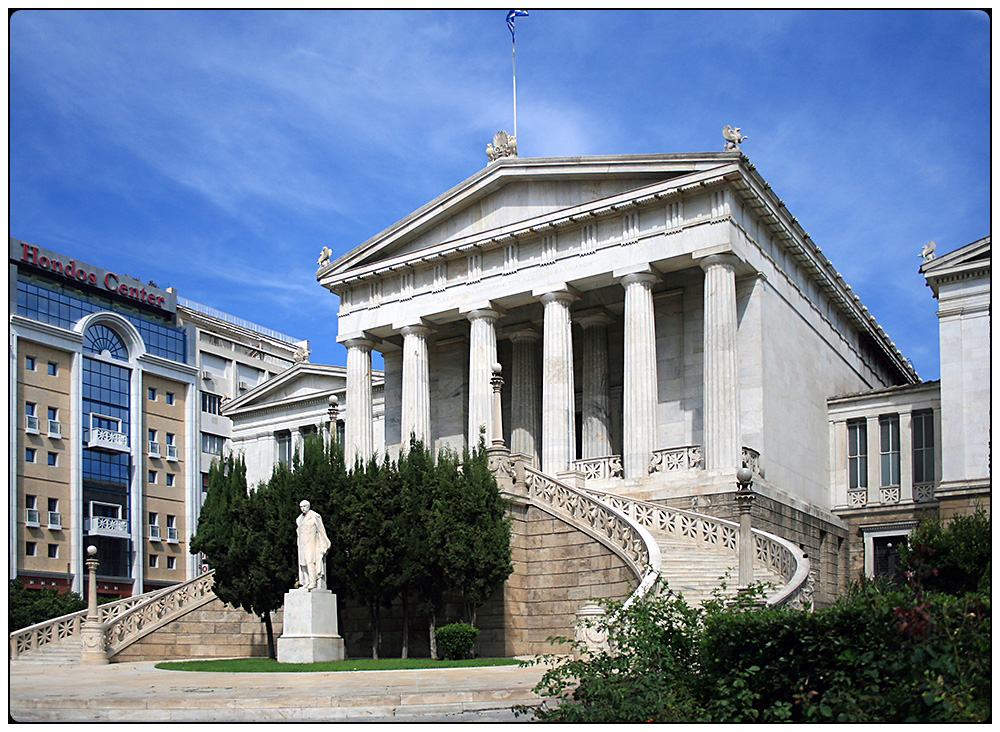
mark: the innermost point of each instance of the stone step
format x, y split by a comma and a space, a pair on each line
61, 652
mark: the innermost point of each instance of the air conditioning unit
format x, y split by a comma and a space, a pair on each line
244, 385
206, 375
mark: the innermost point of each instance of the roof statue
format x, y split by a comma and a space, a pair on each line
733, 138
503, 146
928, 251
324, 256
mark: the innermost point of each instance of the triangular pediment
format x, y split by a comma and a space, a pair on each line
965, 261
512, 190
301, 382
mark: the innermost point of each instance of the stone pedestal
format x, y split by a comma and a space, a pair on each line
309, 631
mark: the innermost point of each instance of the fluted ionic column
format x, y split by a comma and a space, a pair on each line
722, 450
595, 406
558, 409
525, 406
416, 397
639, 382
358, 417
482, 356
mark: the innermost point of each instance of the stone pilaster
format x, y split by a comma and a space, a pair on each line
596, 403
525, 394
482, 356
639, 383
416, 411
558, 408
722, 449
358, 418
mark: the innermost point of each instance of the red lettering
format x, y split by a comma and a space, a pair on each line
107, 281
56, 266
82, 276
43, 262
70, 269
123, 289
92, 278
28, 250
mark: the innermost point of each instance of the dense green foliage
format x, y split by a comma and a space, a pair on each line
410, 530
954, 557
267, 665
26, 607
885, 653
457, 640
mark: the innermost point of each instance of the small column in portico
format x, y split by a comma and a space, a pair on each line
482, 356
721, 449
639, 391
416, 397
525, 400
558, 407
596, 403
358, 420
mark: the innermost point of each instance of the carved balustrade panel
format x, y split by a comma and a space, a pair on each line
157, 610
675, 458
599, 468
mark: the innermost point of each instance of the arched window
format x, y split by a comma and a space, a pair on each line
101, 339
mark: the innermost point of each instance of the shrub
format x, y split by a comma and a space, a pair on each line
952, 558
457, 640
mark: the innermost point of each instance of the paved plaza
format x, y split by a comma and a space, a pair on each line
139, 692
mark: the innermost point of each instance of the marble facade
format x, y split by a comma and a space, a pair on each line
660, 320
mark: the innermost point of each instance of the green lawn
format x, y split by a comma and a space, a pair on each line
267, 665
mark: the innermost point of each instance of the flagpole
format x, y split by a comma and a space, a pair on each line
513, 57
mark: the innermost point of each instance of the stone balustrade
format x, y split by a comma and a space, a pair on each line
145, 617
599, 468
667, 459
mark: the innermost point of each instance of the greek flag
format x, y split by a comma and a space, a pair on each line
510, 19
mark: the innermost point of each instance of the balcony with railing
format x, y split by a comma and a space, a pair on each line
154, 449
154, 532
55, 520
31, 424
55, 429
172, 535
104, 439
172, 453
31, 517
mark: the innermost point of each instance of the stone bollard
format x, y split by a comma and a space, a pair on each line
588, 628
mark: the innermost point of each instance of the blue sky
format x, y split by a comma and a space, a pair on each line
218, 151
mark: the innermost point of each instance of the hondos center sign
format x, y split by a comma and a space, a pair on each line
80, 273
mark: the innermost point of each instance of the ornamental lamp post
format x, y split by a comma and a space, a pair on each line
333, 411
496, 381
92, 632
744, 499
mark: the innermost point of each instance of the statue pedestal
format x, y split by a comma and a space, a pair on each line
309, 631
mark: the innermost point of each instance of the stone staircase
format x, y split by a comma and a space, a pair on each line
62, 652
694, 570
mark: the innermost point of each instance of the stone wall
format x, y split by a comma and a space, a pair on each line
214, 630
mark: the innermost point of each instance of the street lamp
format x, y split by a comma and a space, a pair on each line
744, 499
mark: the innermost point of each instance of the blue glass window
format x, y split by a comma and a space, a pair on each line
100, 338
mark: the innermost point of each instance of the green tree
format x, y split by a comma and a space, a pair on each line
26, 607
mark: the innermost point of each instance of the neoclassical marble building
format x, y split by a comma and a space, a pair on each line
660, 321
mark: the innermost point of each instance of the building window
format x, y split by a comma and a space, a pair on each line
53, 368
100, 339
153, 560
152, 476
30, 548
53, 414
29, 363
211, 403
171, 562
857, 454
283, 441
53, 551
31, 417
31, 510
212, 444
171, 528
53, 459
888, 426
923, 447
151, 392
170, 480
29, 455
170, 397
